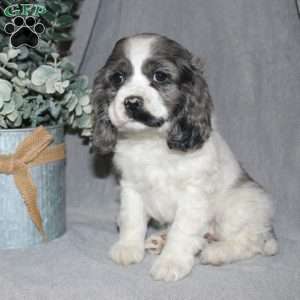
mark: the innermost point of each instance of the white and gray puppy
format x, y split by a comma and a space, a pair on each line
153, 110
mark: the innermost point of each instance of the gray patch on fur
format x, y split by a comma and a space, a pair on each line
186, 95
105, 134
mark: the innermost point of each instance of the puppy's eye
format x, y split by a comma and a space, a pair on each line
117, 78
160, 76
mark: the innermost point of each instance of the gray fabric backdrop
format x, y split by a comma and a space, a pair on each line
253, 70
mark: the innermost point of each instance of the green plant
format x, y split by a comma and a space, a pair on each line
46, 95
39, 86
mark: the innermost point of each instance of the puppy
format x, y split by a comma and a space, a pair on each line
153, 110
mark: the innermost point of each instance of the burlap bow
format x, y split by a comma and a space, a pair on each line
33, 150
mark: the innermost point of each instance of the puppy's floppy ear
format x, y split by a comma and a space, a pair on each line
191, 116
104, 134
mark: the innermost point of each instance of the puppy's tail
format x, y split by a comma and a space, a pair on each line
270, 246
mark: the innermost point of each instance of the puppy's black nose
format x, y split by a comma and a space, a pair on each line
133, 103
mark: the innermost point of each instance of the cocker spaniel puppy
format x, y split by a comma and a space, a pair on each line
153, 110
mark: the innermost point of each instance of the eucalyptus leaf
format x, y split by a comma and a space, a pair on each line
61, 86
42, 109
21, 74
27, 112
49, 17
13, 116
75, 123
67, 97
12, 66
44, 73
66, 65
21, 90
3, 58
67, 75
18, 100
43, 47
53, 6
19, 81
25, 66
72, 103
5, 90
51, 85
18, 121
2, 122
12, 53
67, 6
76, 91
85, 122
5, 72
71, 119
81, 83
60, 36
78, 110
63, 21
85, 100
39, 99
87, 109
8, 108
39, 89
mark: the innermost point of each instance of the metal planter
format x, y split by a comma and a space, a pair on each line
16, 227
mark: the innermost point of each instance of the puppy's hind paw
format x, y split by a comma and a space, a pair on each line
155, 243
127, 253
215, 254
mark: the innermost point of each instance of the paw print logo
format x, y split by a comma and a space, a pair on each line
24, 31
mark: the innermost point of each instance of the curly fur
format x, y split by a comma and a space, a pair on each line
105, 134
191, 121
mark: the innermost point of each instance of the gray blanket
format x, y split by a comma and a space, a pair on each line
252, 50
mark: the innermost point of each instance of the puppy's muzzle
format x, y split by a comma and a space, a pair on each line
135, 109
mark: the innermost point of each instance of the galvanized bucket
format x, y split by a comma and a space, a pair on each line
16, 227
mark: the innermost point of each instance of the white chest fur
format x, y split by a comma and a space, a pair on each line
159, 174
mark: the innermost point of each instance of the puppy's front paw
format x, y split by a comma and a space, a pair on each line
171, 268
125, 253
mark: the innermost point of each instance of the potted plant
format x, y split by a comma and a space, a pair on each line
40, 96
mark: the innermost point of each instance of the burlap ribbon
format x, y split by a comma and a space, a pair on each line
33, 150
